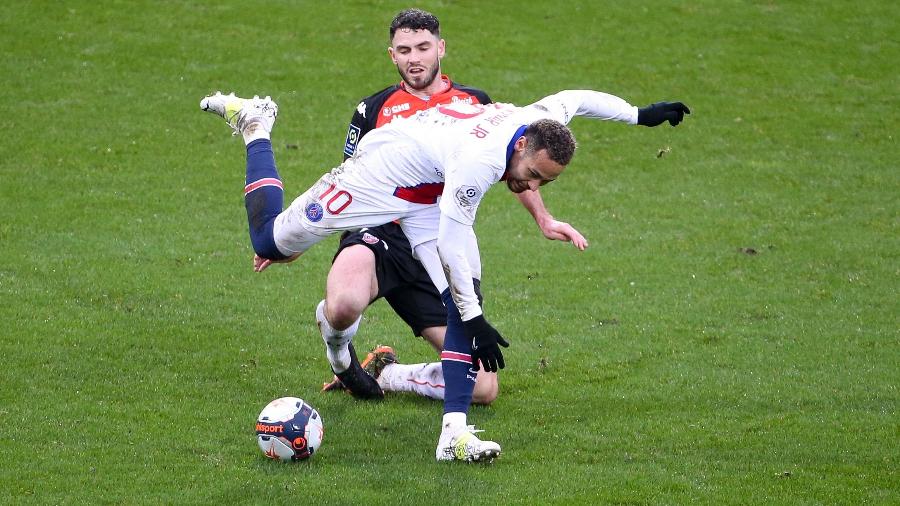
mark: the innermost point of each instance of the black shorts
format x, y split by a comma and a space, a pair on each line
402, 280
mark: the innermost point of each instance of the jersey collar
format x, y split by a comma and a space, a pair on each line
511, 147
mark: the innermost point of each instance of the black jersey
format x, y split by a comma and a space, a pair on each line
395, 102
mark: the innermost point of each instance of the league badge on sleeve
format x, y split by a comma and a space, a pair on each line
468, 196
352, 140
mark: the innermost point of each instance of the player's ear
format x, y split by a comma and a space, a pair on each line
521, 144
391, 54
442, 48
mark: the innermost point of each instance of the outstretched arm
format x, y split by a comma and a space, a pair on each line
567, 104
551, 228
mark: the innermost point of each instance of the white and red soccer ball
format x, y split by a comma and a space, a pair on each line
289, 429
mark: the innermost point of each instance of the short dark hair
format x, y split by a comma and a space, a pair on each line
416, 19
553, 136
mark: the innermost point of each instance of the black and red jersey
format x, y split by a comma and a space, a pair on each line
395, 102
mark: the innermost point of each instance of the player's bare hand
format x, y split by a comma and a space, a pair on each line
561, 231
260, 264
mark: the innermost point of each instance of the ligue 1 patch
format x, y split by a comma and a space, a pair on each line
314, 212
468, 196
352, 140
369, 238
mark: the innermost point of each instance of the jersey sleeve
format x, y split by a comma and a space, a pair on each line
567, 104
458, 251
357, 128
467, 179
364, 119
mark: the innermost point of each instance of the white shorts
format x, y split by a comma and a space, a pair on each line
348, 199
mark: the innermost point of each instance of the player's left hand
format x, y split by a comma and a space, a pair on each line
562, 231
260, 264
657, 113
486, 342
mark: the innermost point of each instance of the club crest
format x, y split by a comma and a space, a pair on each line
314, 212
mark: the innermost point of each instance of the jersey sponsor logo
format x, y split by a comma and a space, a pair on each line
395, 109
468, 100
369, 238
361, 109
352, 140
314, 212
468, 196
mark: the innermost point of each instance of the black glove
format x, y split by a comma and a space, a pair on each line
654, 114
485, 339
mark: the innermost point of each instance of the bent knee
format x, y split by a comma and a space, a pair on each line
486, 391
342, 311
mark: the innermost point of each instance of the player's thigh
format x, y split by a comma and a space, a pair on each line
403, 281
435, 336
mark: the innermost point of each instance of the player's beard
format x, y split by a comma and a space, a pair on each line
516, 186
421, 81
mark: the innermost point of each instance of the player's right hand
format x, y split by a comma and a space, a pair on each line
562, 231
486, 342
260, 264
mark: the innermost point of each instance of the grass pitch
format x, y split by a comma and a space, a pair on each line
731, 336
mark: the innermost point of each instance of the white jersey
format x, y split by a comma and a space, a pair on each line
449, 155
467, 146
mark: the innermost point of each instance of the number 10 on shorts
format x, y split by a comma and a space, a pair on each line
338, 202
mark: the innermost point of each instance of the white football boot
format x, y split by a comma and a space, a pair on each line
241, 113
464, 445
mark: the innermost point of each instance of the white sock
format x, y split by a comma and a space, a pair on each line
254, 131
336, 341
453, 422
426, 380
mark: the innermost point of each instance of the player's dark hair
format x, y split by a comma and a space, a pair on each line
553, 136
416, 19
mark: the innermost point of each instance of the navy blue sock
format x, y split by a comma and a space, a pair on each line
456, 362
263, 198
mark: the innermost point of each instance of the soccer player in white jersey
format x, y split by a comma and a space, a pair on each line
430, 172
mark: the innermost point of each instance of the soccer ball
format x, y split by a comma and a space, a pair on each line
289, 429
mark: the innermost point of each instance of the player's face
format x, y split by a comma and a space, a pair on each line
417, 54
531, 170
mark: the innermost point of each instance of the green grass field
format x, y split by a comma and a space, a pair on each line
732, 335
